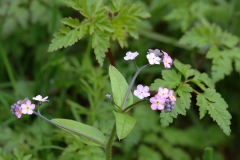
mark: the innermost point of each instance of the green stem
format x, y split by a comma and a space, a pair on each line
108, 149
63, 127
133, 105
131, 84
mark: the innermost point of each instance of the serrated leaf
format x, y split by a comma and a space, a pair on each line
212, 101
213, 52
124, 124
184, 94
100, 44
119, 87
184, 69
118, 4
167, 118
66, 37
88, 134
202, 79
72, 22
206, 33
171, 79
221, 66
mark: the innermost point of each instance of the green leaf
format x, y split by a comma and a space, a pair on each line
124, 124
167, 118
202, 80
87, 134
213, 52
118, 4
206, 33
72, 22
66, 37
212, 101
184, 94
208, 154
119, 87
100, 44
184, 69
171, 79
221, 67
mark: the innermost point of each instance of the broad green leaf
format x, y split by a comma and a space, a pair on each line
119, 87
184, 69
124, 124
100, 44
87, 134
212, 101
171, 79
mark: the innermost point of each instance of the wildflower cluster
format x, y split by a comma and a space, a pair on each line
25, 106
154, 57
164, 99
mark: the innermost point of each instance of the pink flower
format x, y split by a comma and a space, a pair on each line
171, 96
141, 91
153, 59
131, 55
163, 92
27, 108
18, 112
167, 61
157, 102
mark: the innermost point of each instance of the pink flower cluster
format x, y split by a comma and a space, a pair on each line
25, 106
164, 99
154, 57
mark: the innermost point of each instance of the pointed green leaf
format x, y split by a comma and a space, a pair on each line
66, 37
202, 80
87, 134
124, 124
171, 79
72, 22
212, 101
185, 95
100, 44
184, 69
118, 4
119, 87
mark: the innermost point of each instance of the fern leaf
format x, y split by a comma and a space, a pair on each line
100, 44
65, 37
212, 102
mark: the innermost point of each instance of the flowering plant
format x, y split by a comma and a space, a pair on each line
169, 95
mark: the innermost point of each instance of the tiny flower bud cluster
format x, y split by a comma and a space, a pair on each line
25, 106
164, 99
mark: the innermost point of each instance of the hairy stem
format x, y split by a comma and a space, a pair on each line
108, 149
131, 84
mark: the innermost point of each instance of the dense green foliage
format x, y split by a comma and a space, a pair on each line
63, 49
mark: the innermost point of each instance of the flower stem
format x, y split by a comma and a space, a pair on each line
131, 84
108, 149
